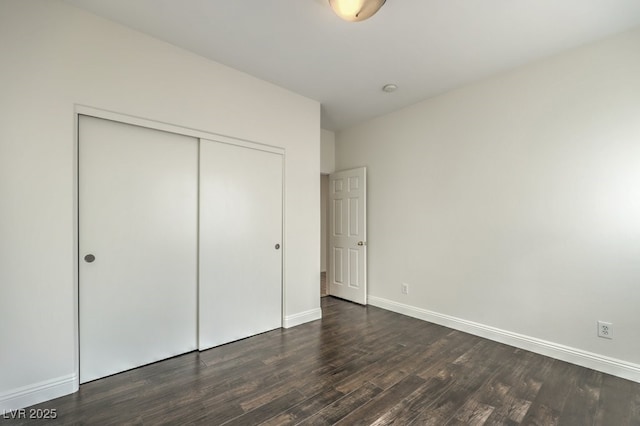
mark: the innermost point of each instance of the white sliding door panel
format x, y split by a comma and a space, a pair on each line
240, 236
348, 235
138, 218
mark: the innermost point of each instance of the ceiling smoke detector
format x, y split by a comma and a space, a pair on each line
389, 88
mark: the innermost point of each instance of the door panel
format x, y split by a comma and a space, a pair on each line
347, 235
137, 194
240, 225
337, 218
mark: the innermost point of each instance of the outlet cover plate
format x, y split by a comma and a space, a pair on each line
605, 330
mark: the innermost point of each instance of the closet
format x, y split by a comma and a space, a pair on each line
179, 244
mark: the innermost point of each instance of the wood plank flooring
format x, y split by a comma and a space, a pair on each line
357, 366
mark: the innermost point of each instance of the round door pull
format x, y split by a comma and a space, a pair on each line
277, 246
89, 258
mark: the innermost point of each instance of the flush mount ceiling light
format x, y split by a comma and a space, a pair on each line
356, 10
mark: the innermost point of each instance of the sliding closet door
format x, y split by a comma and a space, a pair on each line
138, 246
240, 243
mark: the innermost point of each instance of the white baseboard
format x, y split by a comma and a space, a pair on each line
591, 360
302, 317
38, 392
55, 388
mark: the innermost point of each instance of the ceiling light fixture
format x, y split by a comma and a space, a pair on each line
356, 10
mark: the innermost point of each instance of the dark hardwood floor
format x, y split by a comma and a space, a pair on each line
357, 366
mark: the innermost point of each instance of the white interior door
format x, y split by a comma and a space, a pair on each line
348, 235
240, 243
138, 231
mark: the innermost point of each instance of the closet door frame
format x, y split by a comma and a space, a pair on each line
166, 127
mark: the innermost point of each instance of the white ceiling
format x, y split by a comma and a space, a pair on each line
426, 47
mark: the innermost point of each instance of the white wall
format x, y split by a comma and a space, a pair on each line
512, 206
327, 151
55, 56
327, 166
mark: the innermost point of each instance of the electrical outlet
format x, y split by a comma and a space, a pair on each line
405, 288
605, 330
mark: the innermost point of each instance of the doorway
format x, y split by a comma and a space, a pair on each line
324, 234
